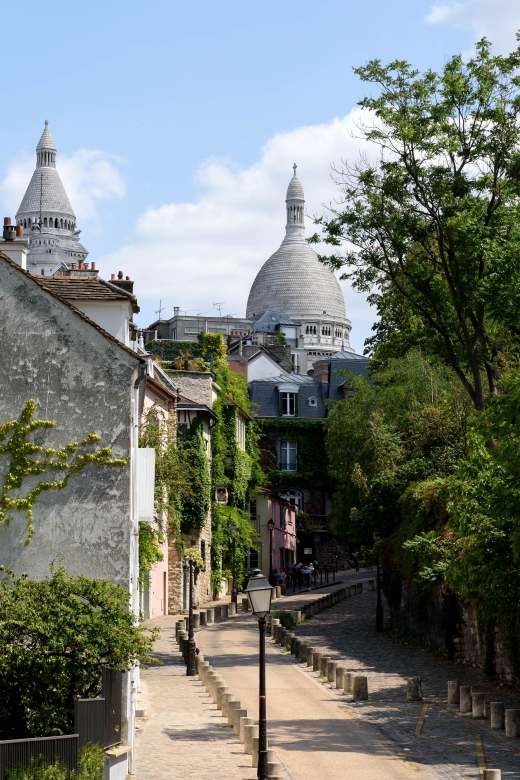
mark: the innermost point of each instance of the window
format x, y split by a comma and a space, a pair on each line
191, 330
241, 433
289, 404
253, 516
283, 517
253, 559
294, 497
288, 455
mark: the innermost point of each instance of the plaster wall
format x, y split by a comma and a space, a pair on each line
198, 386
261, 367
85, 383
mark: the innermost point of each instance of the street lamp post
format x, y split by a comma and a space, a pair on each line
379, 607
233, 530
259, 593
191, 669
270, 525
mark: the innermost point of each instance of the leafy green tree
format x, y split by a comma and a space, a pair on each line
433, 227
56, 634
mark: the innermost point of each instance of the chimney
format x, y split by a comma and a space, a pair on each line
73, 266
120, 275
112, 276
93, 266
80, 265
85, 266
176, 310
13, 243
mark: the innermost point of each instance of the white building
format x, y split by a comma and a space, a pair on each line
293, 281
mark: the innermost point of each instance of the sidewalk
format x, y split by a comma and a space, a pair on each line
182, 735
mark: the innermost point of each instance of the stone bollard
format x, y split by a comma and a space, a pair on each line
218, 613
512, 723
478, 705
274, 770
224, 611
278, 592
359, 587
231, 708
283, 635
316, 660
199, 662
270, 753
414, 689
340, 677
244, 721
202, 616
497, 715
220, 691
297, 648
349, 681
210, 674
237, 714
232, 609
331, 671
353, 590
347, 591
249, 733
277, 630
323, 664
245, 604
297, 614
310, 656
216, 680
359, 688
453, 691
371, 584
492, 774
226, 698
196, 620
210, 616
465, 698
205, 669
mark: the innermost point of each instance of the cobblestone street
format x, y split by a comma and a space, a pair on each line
430, 733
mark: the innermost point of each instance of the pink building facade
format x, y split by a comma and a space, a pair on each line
277, 547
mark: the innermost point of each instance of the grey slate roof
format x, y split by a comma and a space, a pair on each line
264, 393
46, 140
356, 364
266, 322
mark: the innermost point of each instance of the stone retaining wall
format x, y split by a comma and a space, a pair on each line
442, 622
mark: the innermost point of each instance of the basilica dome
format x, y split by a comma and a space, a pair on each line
293, 280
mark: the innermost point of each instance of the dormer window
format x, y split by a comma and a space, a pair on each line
289, 404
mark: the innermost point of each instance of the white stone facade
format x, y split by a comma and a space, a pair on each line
294, 281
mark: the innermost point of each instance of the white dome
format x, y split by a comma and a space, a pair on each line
293, 280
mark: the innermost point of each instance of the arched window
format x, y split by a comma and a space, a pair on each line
45, 221
43, 272
56, 222
61, 223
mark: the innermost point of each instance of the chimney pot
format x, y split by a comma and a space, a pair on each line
7, 220
80, 266
93, 266
120, 275
73, 266
127, 278
85, 265
19, 230
112, 276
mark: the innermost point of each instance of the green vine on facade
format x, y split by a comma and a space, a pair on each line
29, 459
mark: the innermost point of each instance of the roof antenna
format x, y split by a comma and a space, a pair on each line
160, 310
219, 307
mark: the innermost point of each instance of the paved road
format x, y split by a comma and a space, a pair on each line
311, 734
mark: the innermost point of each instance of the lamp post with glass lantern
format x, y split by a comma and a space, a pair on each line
191, 669
270, 525
379, 607
233, 530
259, 593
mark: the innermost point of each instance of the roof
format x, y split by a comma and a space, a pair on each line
295, 189
294, 281
76, 311
298, 379
187, 404
47, 184
344, 355
269, 319
86, 288
230, 402
46, 140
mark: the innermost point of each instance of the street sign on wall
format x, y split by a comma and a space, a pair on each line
307, 550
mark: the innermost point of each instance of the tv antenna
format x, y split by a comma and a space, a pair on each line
219, 307
160, 309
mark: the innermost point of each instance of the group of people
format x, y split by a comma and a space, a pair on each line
301, 574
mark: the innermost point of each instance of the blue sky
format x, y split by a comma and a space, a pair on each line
177, 123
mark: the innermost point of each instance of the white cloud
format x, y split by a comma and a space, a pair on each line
195, 254
88, 175
498, 20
